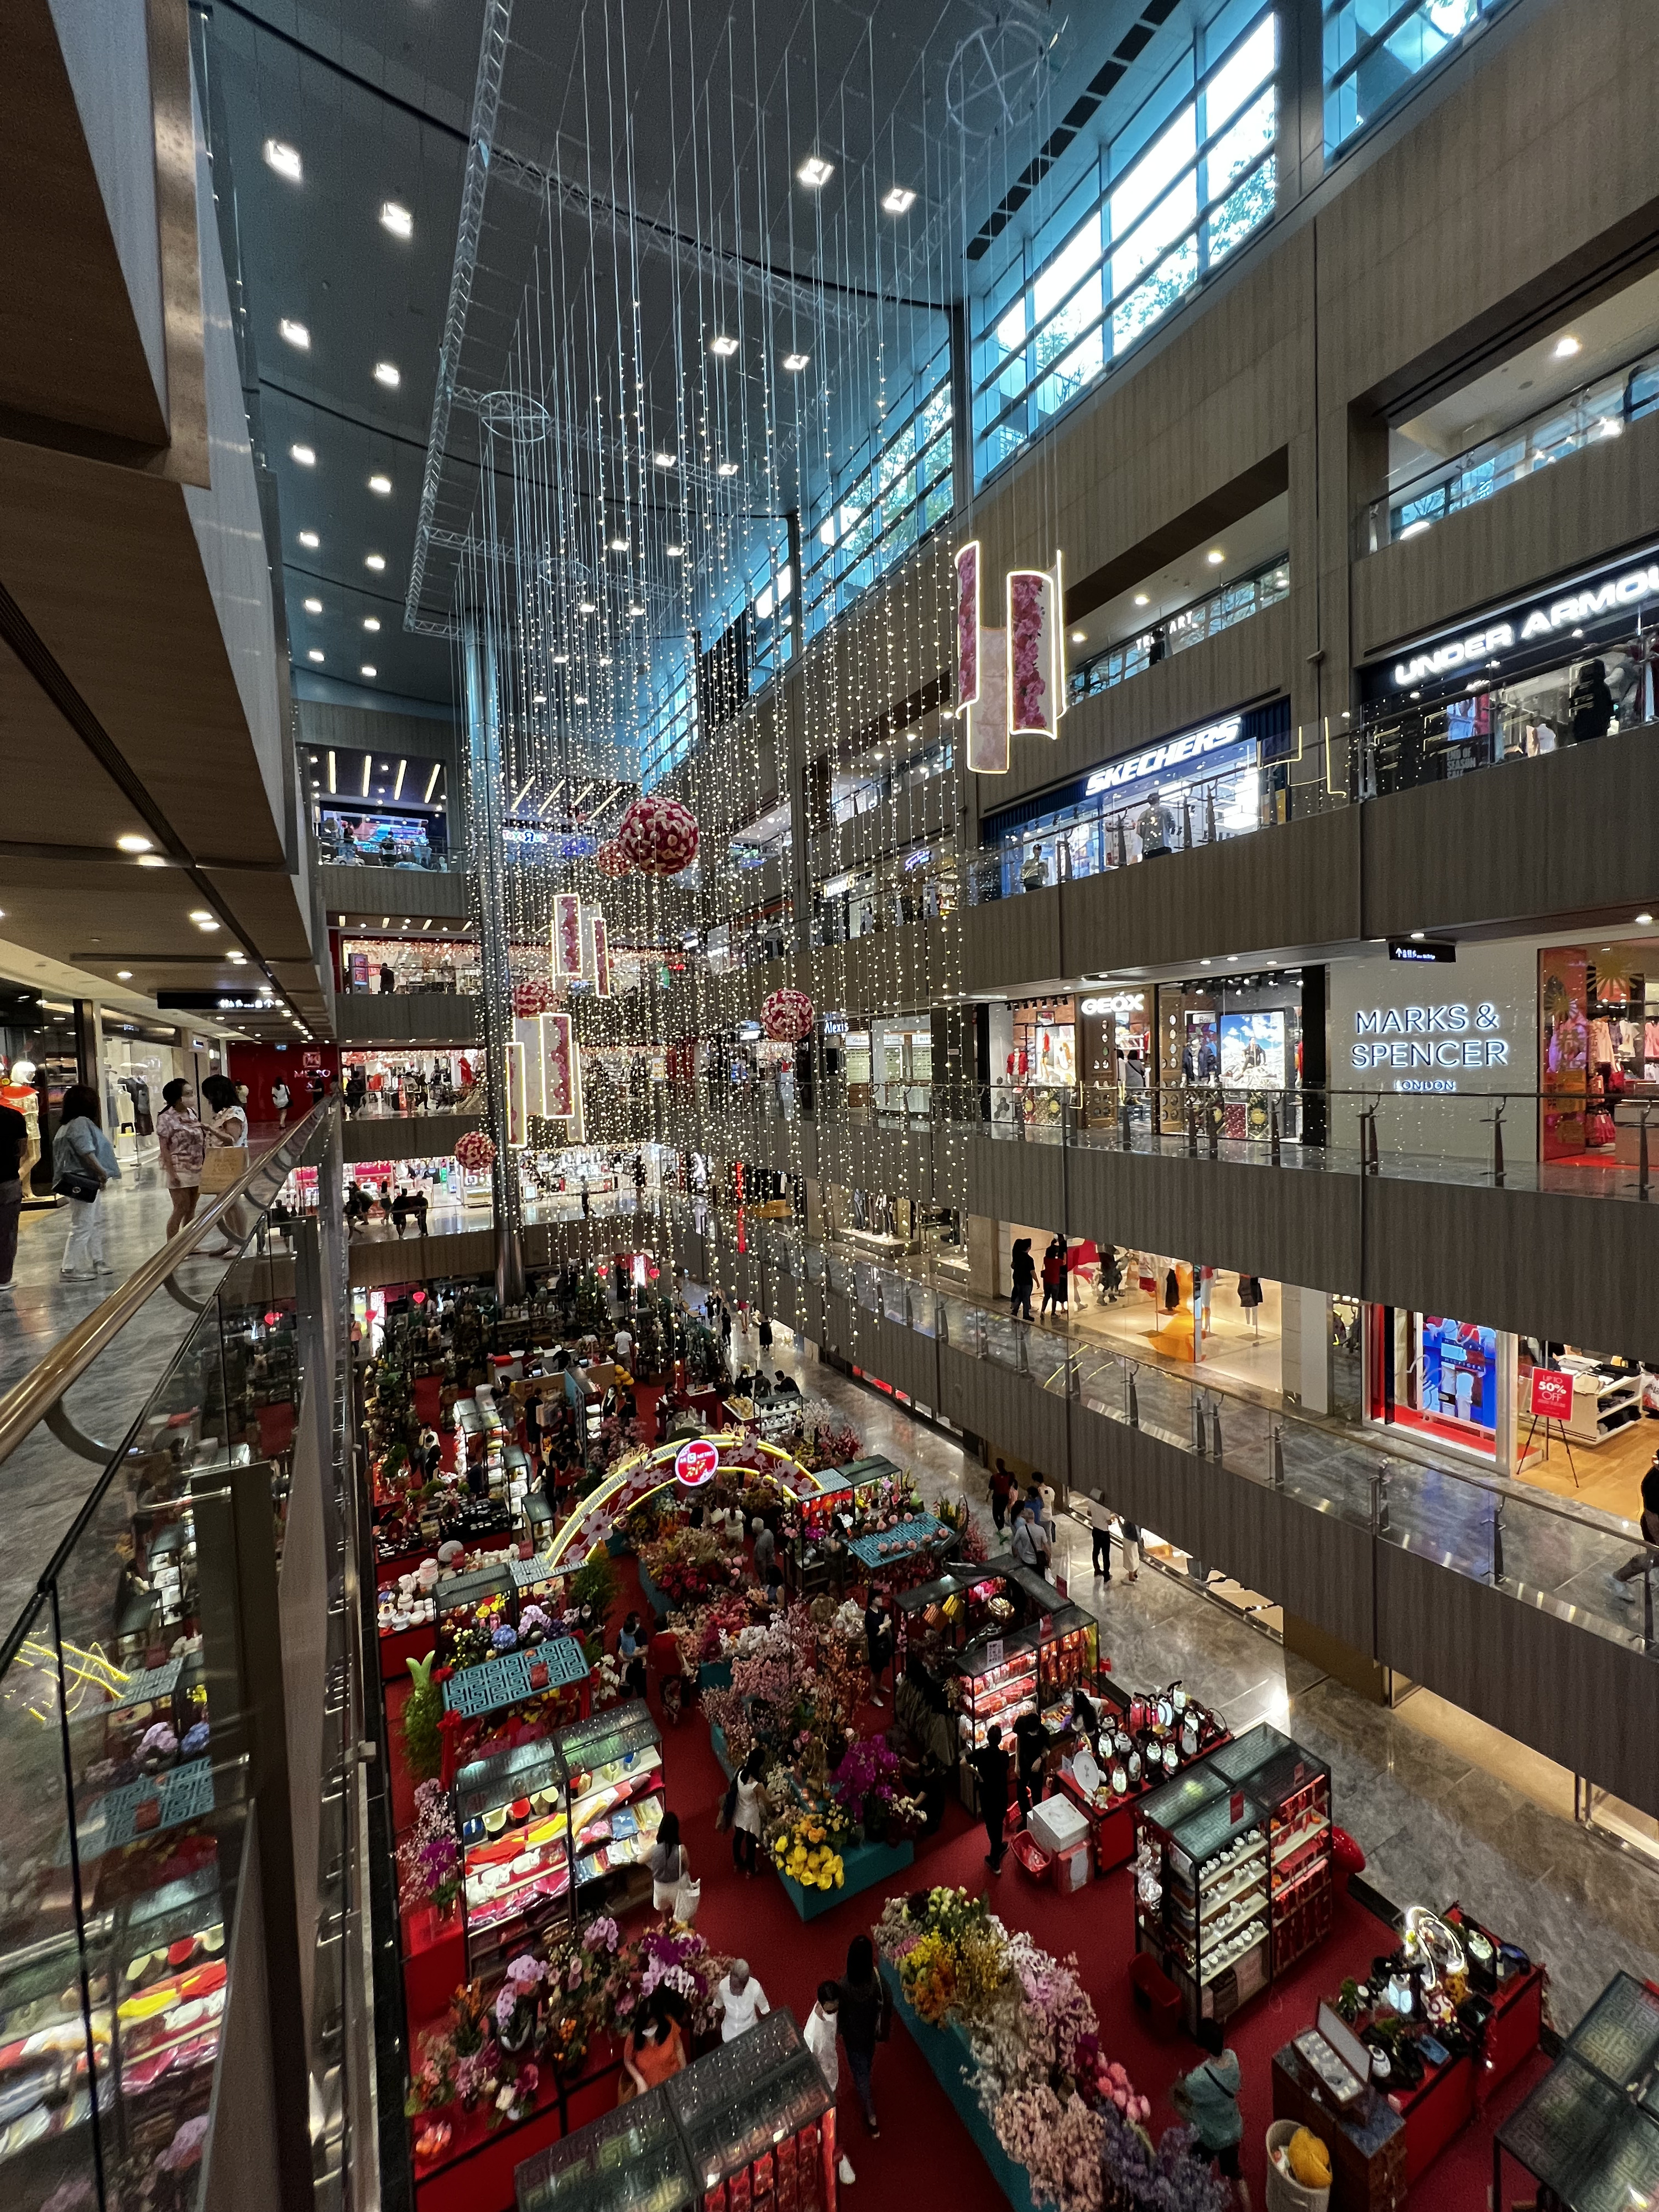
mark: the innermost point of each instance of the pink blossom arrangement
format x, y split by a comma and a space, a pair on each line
968, 623
430, 1857
1027, 591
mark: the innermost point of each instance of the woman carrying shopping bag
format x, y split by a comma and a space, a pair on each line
83, 1162
226, 1126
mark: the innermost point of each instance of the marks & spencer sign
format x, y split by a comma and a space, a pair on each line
1427, 1045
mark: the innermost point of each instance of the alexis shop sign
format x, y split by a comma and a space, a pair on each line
1591, 599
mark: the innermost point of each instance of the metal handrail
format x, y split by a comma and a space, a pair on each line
28, 1403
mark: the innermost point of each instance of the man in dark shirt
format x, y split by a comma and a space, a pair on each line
1030, 1745
991, 1765
14, 1137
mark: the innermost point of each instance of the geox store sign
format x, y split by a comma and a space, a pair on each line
1590, 601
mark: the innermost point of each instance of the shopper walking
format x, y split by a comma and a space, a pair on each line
281, 1099
83, 1164
1623, 1581
226, 1127
14, 1143
1129, 1537
747, 1815
1024, 1273
356, 1091
653, 2052
1030, 1544
1002, 1490
819, 2034
865, 2015
669, 1866
1207, 2100
878, 1642
1100, 1535
741, 2001
183, 1143
1050, 1278
990, 1765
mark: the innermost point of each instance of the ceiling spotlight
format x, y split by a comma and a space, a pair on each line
305, 455
151, 860
310, 540
1566, 348
132, 842
1079, 637
284, 159
664, 460
375, 561
1417, 937
675, 552
380, 484
1642, 921
295, 333
793, 362
815, 172
200, 914
723, 345
388, 373
586, 607
1141, 599
636, 611
371, 622
899, 200
315, 654
727, 469
397, 219
124, 974
369, 670
313, 606
238, 959
1215, 556
619, 545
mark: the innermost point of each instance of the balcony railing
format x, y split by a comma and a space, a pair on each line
1429, 491
1234, 602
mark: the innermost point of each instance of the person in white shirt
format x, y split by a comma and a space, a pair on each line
625, 1349
741, 2001
1100, 1533
819, 2036
1030, 1544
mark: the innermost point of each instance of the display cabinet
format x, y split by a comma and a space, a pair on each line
999, 1680
45, 2106
1068, 1658
513, 1820
945, 1615
612, 1767
758, 2122
479, 1598
630, 2160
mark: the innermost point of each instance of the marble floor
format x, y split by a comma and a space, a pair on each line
1443, 1813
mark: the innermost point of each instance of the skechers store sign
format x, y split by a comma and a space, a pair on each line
1172, 753
1425, 1044
1593, 601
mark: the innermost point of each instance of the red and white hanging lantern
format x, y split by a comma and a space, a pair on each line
787, 1016
657, 836
610, 861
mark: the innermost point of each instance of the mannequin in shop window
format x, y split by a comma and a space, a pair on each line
1155, 827
1034, 874
1591, 703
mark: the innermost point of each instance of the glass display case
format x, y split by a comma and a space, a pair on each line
1228, 1856
944, 1616
1068, 1658
630, 2160
45, 2106
758, 2122
999, 1678
513, 1820
470, 1606
612, 1766
1589, 2132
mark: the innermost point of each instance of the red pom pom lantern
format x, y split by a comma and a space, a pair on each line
538, 996
787, 1016
657, 836
475, 1151
610, 861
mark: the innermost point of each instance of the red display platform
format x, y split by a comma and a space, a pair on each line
396, 1652
475, 2171
435, 1960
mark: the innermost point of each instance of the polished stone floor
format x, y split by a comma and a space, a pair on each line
1436, 1826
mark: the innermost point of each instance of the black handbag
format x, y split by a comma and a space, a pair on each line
83, 1187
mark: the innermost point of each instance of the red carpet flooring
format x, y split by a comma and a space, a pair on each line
922, 2148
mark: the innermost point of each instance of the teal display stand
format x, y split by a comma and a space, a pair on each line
714, 1675
948, 2053
653, 1597
717, 1737
863, 1864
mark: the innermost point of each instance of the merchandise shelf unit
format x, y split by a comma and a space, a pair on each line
758, 2122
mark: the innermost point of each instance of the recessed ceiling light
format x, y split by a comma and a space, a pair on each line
206, 927
815, 172
728, 468
375, 561
388, 373
371, 622
1233, 957
619, 545
380, 484
313, 654
310, 540
1566, 348
1079, 637
200, 914
397, 219
666, 460
724, 346
238, 959
132, 842
284, 159
793, 362
313, 606
676, 552
124, 974
369, 670
1203, 963
151, 860
899, 200
295, 333
636, 611
1215, 556
1141, 599
586, 607
581, 698
1642, 921
305, 455
1417, 937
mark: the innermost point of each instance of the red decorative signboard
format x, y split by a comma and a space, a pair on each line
601, 957
1552, 1394
697, 1461
559, 1066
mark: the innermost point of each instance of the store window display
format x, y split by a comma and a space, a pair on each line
1232, 1052
1598, 1050
410, 1082
1438, 1376
386, 964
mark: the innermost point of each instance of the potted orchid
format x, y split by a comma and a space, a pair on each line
519, 2016
430, 1857
866, 1784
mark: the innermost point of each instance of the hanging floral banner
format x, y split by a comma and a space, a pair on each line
787, 1016
538, 996
1036, 663
558, 1066
970, 666
988, 718
658, 835
601, 955
566, 934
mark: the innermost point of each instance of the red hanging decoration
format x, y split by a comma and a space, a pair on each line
538, 996
610, 861
475, 1151
657, 836
788, 1016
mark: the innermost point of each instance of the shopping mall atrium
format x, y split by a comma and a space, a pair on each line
665, 1286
